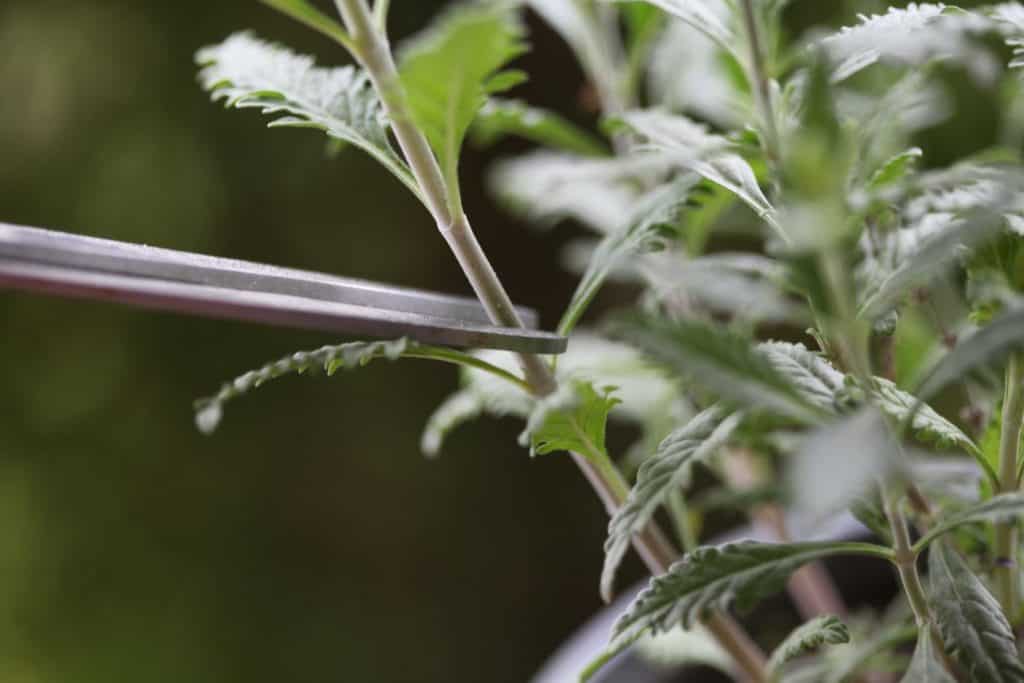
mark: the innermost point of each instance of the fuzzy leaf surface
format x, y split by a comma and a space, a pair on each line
247, 72
927, 424
727, 363
1001, 507
926, 666
823, 630
970, 620
665, 471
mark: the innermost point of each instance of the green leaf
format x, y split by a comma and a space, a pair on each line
1011, 16
703, 16
448, 70
249, 73
926, 666
305, 13
895, 169
988, 344
823, 630
998, 508
973, 627
711, 156
926, 424
816, 380
714, 577
665, 471
837, 463
571, 419
670, 650
653, 221
330, 359
501, 117
724, 361
935, 255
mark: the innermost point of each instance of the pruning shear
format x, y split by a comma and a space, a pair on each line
51, 262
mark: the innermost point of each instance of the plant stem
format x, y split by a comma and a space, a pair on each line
905, 558
371, 49
760, 83
1006, 531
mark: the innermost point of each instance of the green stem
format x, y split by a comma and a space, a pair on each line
1006, 531
760, 83
371, 49
682, 521
905, 559
380, 15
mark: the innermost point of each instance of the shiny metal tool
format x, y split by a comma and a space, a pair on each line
47, 261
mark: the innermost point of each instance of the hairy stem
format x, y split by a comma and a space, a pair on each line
905, 558
1006, 531
371, 49
760, 83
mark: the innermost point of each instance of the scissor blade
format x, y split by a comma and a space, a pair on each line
83, 253
268, 307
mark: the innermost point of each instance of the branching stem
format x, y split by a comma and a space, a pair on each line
1006, 531
905, 558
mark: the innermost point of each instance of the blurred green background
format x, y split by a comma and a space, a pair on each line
307, 540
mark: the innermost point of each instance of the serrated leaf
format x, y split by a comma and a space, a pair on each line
327, 358
667, 470
839, 462
986, 345
999, 508
927, 424
915, 35
330, 359
823, 630
711, 156
671, 649
571, 419
925, 666
973, 627
724, 361
936, 254
501, 117
249, 73
447, 73
715, 577
648, 229
1010, 16
895, 169
810, 373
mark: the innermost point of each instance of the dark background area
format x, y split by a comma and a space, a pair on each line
308, 540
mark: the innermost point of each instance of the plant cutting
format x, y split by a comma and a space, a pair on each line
824, 315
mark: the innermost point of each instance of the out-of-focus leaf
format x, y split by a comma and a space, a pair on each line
303, 12
1001, 507
926, 666
823, 630
654, 219
727, 363
973, 627
667, 470
705, 16
840, 461
500, 117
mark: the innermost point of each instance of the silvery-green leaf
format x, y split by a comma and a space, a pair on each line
810, 373
837, 463
926, 666
248, 72
1010, 16
667, 470
653, 220
920, 33
693, 147
973, 627
502, 117
1001, 507
715, 577
725, 362
823, 630
986, 345
927, 424
710, 17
